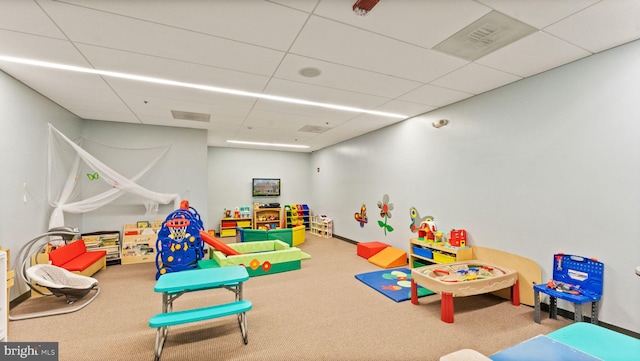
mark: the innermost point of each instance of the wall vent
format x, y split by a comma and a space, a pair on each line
313, 129
485, 35
198, 117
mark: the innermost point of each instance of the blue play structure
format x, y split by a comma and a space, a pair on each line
179, 244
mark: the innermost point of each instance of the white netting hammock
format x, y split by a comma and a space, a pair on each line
68, 161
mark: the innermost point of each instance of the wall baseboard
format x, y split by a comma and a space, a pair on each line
18, 300
344, 239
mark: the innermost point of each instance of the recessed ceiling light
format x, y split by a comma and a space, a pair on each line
267, 144
309, 72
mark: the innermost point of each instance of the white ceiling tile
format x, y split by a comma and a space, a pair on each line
431, 21
339, 43
141, 64
304, 5
304, 113
539, 13
31, 19
73, 91
129, 87
287, 119
255, 22
124, 33
604, 25
335, 76
272, 135
40, 48
322, 94
475, 79
160, 108
434, 96
534, 54
355, 127
410, 109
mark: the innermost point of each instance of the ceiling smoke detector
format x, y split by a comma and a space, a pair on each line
362, 7
309, 72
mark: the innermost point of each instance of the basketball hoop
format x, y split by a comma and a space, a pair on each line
178, 228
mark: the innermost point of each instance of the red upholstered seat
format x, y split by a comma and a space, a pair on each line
74, 256
83, 261
66, 253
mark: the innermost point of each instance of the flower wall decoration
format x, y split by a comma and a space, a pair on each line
385, 212
362, 216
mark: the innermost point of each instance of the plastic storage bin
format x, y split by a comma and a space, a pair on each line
423, 252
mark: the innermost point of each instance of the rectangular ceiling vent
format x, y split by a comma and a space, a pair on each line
198, 117
485, 35
313, 129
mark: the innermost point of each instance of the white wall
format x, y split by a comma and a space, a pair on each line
548, 164
25, 115
231, 171
183, 170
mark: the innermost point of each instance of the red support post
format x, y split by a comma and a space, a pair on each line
446, 307
515, 294
414, 292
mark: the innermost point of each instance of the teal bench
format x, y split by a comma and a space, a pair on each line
162, 321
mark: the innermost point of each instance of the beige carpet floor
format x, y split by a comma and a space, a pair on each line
320, 312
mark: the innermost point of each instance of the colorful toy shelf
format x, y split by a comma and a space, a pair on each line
298, 215
228, 225
266, 218
424, 253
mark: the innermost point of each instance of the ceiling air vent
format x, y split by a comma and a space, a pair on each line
198, 117
313, 129
485, 35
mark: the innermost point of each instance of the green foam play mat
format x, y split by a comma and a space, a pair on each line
394, 283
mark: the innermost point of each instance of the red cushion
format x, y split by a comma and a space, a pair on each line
66, 253
83, 261
370, 249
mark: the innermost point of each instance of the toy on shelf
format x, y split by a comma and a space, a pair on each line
245, 212
236, 213
458, 238
427, 230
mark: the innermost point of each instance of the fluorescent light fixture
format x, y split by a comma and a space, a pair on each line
79, 69
268, 144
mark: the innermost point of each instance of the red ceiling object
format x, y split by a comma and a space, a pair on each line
362, 7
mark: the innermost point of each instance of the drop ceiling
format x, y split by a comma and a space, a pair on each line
390, 60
